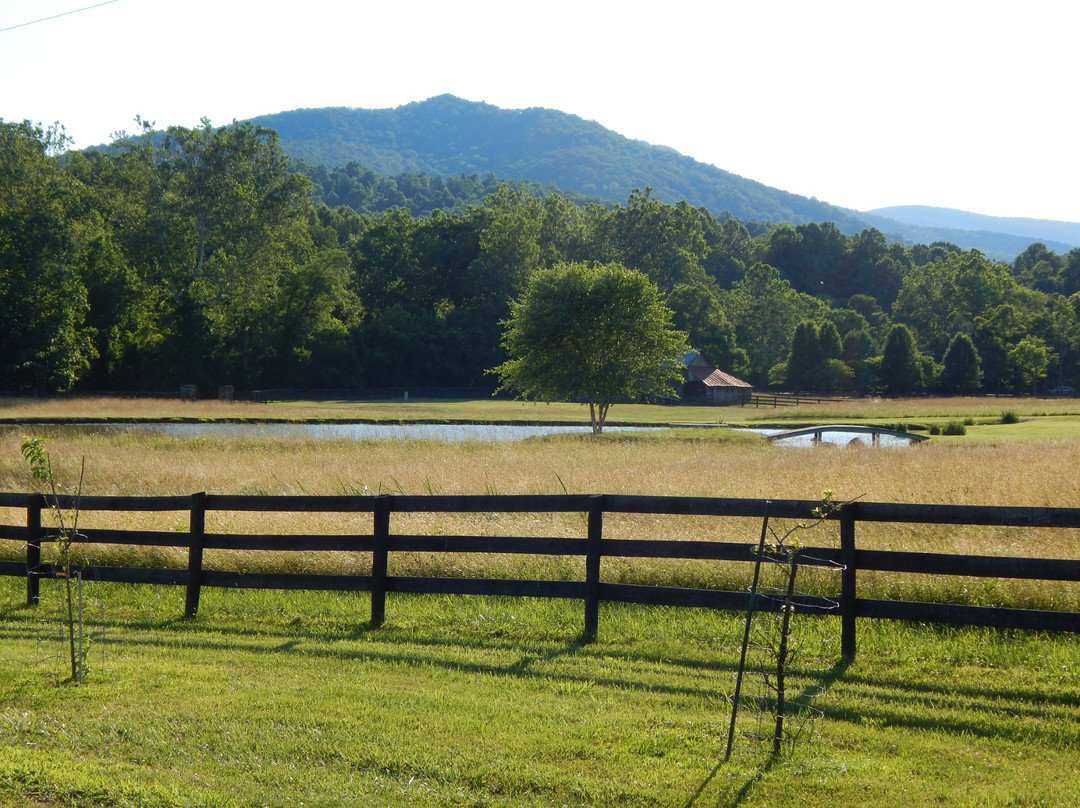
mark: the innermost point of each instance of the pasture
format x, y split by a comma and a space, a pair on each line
288, 699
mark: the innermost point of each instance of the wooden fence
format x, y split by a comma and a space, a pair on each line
593, 546
787, 400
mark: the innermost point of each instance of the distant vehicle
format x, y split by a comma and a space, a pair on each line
1061, 391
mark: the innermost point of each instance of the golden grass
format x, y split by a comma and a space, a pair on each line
1024, 473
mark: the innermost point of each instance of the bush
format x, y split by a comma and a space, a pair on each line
1010, 417
954, 428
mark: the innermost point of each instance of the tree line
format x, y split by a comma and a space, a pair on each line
202, 256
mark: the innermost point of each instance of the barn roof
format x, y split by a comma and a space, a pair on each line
720, 379
699, 368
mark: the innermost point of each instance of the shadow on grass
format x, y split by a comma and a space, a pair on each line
744, 790
811, 688
393, 645
960, 708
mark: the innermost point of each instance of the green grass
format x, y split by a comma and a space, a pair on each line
290, 699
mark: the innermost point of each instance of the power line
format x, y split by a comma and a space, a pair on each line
56, 16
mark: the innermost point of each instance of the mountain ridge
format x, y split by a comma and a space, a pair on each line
449, 136
929, 216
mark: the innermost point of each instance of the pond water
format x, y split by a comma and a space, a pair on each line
488, 433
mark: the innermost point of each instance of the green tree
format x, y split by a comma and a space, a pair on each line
994, 332
316, 309
806, 361
1030, 358
831, 344
666, 242
962, 372
595, 333
697, 310
871, 266
44, 343
248, 225
509, 248
729, 247
900, 370
765, 309
940, 298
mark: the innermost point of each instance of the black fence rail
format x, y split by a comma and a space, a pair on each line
787, 400
593, 546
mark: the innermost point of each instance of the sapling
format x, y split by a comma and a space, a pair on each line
782, 550
67, 527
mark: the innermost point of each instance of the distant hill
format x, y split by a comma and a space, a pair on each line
1065, 234
450, 137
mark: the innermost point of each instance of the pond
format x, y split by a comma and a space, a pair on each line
487, 433
450, 433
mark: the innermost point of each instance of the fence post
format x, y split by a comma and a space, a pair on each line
380, 551
592, 565
197, 531
33, 549
847, 582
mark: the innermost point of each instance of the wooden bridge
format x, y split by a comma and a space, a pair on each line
875, 431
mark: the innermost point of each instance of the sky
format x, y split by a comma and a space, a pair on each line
859, 103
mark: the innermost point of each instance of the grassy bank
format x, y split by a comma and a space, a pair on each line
273, 699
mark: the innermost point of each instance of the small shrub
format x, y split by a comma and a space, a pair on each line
935, 429
969, 421
954, 428
1010, 417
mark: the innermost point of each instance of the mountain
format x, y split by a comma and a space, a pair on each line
448, 136
1066, 234
451, 137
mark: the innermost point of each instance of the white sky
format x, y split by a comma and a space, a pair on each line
861, 103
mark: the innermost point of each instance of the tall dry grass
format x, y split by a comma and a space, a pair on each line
1043, 473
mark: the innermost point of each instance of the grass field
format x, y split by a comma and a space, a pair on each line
289, 699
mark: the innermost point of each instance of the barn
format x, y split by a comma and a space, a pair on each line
704, 383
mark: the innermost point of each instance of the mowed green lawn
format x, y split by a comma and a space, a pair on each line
290, 699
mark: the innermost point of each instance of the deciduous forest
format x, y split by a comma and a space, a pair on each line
203, 256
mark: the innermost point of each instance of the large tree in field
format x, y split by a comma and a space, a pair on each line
596, 333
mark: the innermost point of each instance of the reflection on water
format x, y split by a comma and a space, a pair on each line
834, 438
488, 433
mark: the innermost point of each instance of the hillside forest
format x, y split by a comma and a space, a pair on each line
204, 256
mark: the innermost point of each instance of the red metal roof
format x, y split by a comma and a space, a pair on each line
701, 369
719, 379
